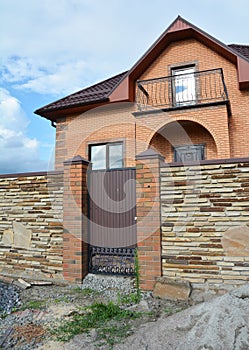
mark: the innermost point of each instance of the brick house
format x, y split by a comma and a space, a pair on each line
185, 100
212, 109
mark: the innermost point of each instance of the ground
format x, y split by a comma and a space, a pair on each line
45, 308
51, 313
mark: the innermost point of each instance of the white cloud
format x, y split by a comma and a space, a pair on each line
18, 152
56, 81
58, 46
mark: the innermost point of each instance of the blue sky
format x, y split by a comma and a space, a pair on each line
51, 48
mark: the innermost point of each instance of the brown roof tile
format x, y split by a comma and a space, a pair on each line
93, 94
241, 49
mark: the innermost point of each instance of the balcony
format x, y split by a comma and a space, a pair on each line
188, 90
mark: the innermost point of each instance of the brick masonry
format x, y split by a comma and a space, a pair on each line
205, 219
31, 229
75, 211
148, 217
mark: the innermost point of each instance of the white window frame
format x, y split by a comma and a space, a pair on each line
183, 80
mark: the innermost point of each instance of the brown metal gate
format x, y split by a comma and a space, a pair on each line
112, 224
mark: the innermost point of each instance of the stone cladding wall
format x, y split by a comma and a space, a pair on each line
31, 230
205, 219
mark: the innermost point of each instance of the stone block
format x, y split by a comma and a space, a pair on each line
173, 289
236, 241
22, 236
8, 237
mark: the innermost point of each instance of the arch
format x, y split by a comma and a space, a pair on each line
203, 123
182, 133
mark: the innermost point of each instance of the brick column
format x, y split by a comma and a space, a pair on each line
75, 249
148, 217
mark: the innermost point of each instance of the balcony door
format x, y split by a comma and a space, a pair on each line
183, 86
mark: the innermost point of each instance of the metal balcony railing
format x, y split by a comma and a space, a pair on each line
182, 90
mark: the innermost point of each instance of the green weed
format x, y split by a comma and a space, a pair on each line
137, 277
132, 298
85, 291
95, 316
33, 304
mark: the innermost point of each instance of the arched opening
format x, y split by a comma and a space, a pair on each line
184, 140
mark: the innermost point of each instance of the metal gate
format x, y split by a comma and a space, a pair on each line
112, 224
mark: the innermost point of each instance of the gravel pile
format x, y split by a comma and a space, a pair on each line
9, 298
110, 286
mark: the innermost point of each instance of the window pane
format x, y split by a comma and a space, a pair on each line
184, 85
115, 156
98, 157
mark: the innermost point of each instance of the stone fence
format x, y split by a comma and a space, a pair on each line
31, 230
205, 218
192, 223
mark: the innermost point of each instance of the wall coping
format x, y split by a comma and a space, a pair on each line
76, 160
207, 162
150, 154
36, 173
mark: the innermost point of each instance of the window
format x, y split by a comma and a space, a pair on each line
106, 156
189, 153
183, 86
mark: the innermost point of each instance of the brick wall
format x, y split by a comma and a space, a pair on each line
104, 124
205, 224
31, 243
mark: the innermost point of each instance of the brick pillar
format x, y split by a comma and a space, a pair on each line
75, 249
148, 217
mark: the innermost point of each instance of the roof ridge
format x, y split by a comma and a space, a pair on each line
244, 45
102, 81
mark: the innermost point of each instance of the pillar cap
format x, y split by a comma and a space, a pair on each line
149, 154
76, 160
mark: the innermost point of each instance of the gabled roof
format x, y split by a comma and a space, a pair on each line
122, 86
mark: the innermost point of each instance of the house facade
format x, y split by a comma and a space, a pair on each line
186, 101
